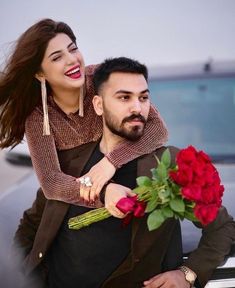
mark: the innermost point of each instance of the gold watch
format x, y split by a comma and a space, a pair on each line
190, 276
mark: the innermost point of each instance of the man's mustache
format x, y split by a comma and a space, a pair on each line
134, 117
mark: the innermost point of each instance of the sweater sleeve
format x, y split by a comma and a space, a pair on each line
55, 184
214, 245
155, 136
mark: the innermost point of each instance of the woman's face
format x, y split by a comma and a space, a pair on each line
63, 65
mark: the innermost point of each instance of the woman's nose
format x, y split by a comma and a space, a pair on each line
70, 58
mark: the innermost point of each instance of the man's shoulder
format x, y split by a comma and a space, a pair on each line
159, 151
172, 149
148, 161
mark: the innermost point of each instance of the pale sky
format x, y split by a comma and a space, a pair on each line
151, 31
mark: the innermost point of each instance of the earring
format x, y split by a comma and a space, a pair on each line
81, 98
46, 126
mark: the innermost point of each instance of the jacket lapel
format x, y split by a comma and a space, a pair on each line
142, 239
144, 164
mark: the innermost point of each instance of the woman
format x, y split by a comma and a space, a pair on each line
43, 90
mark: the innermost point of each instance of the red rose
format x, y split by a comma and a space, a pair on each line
206, 213
203, 156
187, 155
183, 176
198, 167
209, 195
192, 192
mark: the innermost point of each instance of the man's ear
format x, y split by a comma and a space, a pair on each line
98, 104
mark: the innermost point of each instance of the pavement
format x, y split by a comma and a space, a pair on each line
10, 174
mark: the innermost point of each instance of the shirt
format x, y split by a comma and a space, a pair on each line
85, 258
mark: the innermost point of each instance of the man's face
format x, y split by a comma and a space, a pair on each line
125, 104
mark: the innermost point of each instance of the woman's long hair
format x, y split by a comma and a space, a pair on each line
19, 89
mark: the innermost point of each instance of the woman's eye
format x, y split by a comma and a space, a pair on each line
74, 49
56, 58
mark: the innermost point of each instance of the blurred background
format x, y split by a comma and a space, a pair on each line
160, 33
156, 32
153, 31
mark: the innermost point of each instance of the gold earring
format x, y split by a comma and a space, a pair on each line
46, 126
81, 99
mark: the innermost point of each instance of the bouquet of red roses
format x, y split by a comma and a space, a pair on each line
190, 189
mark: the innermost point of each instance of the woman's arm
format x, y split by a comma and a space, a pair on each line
55, 184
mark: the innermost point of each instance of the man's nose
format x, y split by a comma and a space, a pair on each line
136, 107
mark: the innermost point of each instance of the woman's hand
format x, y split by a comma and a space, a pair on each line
99, 174
113, 193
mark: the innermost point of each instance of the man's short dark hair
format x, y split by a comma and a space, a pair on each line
120, 64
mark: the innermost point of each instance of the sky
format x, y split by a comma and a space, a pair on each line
155, 32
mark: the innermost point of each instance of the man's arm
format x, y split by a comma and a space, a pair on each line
215, 244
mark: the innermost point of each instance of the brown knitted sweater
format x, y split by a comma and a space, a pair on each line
69, 131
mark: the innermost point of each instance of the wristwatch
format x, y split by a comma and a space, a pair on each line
190, 276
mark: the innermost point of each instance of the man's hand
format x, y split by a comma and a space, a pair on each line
99, 174
170, 279
114, 192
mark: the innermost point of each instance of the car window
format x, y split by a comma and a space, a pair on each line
198, 111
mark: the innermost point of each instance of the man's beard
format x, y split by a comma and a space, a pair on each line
133, 133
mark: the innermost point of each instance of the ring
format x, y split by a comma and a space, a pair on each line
86, 181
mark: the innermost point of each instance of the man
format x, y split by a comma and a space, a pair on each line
105, 254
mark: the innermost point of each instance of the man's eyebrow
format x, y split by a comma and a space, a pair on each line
129, 92
58, 51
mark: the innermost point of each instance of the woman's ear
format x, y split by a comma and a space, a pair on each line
39, 76
98, 104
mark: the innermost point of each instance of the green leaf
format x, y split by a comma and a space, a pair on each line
167, 212
155, 220
162, 173
140, 189
177, 205
154, 173
164, 194
144, 181
166, 158
190, 216
151, 205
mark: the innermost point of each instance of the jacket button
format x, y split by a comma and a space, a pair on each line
137, 260
40, 255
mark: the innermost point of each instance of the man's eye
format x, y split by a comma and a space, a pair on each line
144, 98
124, 97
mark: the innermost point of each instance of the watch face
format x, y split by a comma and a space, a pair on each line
190, 277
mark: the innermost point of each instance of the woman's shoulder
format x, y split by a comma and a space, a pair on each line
36, 114
90, 69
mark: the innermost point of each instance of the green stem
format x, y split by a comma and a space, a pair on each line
88, 218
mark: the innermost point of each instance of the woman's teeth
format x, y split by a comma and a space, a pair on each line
76, 70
